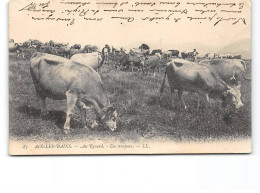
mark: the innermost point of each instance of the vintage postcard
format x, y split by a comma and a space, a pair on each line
129, 76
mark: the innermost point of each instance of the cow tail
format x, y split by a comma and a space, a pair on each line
162, 86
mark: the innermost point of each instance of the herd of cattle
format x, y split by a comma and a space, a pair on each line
60, 72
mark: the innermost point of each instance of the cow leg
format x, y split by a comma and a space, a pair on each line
172, 97
208, 100
83, 111
71, 101
180, 93
42, 102
132, 66
199, 101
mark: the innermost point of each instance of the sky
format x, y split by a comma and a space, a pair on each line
164, 35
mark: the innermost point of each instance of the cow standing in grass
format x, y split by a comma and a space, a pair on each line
189, 76
130, 60
59, 78
151, 63
94, 59
230, 70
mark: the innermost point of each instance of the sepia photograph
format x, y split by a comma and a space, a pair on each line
129, 77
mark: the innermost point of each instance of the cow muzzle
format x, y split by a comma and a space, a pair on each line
110, 125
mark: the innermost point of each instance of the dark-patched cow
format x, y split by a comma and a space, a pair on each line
95, 59
130, 60
59, 78
184, 55
175, 53
184, 75
47, 49
76, 46
230, 70
64, 51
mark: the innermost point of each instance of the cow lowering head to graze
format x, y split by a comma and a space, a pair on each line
167, 55
202, 79
130, 60
16, 48
184, 55
175, 53
94, 59
47, 49
59, 78
229, 70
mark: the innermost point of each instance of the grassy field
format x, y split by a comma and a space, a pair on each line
141, 117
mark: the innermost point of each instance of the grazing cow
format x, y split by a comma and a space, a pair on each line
151, 62
184, 75
90, 48
229, 70
63, 51
167, 55
75, 51
175, 53
47, 49
130, 60
17, 48
95, 59
228, 56
237, 57
184, 55
156, 51
210, 56
60, 78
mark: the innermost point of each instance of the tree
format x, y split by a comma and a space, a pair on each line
144, 47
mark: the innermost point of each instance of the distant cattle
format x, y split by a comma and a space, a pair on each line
90, 49
184, 75
95, 59
175, 53
210, 56
184, 55
47, 49
167, 54
128, 61
76, 46
156, 51
64, 51
237, 57
59, 78
151, 63
16, 48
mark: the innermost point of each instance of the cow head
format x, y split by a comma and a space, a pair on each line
232, 96
109, 118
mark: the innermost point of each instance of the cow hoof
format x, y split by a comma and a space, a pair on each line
94, 124
66, 131
44, 115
